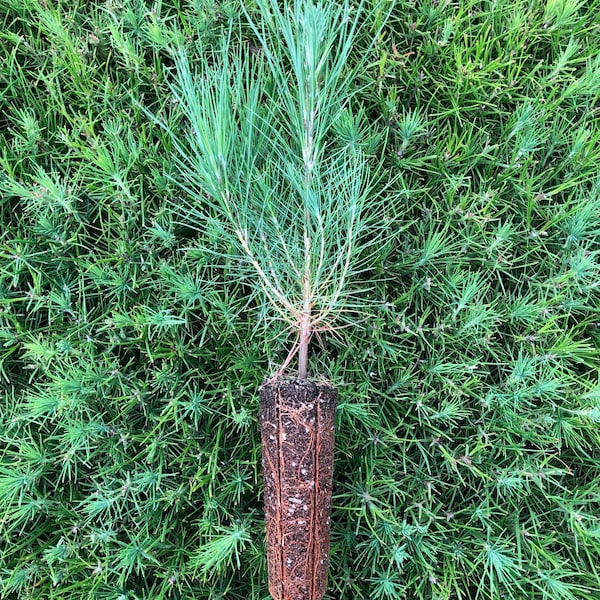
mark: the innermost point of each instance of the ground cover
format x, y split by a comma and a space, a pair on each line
467, 462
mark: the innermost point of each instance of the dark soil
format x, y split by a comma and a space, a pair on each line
297, 421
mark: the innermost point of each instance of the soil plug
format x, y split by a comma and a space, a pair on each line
297, 428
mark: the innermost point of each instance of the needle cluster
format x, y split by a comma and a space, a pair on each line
259, 159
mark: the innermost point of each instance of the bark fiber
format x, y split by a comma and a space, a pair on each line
297, 428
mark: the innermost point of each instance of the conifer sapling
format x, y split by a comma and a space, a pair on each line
272, 160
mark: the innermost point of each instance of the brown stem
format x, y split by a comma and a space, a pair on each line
305, 318
305, 333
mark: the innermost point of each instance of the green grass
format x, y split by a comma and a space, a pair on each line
467, 449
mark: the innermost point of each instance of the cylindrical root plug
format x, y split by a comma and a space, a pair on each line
297, 427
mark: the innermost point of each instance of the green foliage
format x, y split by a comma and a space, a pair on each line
258, 158
132, 344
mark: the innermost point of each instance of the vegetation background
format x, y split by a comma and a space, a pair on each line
467, 458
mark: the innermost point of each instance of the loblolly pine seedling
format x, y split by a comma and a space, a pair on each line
294, 204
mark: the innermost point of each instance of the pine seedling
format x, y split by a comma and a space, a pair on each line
261, 164
264, 172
